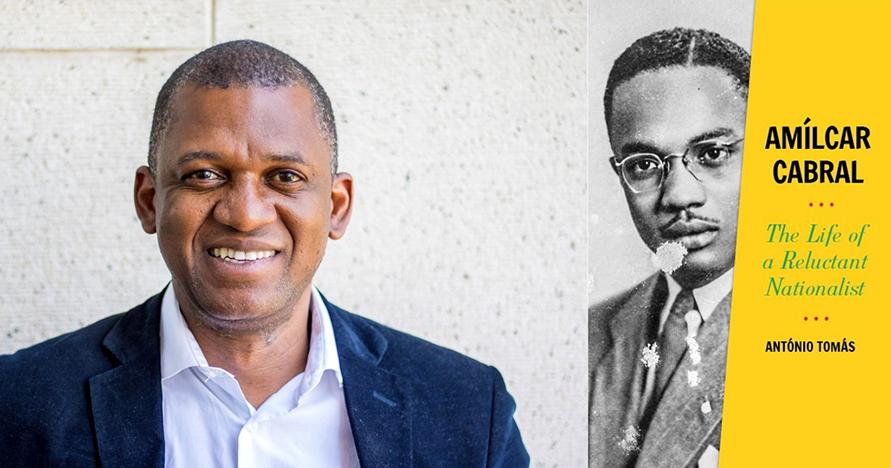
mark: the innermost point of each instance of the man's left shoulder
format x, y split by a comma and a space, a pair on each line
415, 358
460, 404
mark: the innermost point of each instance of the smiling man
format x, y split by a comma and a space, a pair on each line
241, 361
675, 106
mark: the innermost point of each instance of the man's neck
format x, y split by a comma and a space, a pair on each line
708, 295
261, 362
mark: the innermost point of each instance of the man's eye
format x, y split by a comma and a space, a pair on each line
203, 174
287, 177
714, 155
643, 166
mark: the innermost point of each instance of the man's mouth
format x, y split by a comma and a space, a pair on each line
240, 256
693, 233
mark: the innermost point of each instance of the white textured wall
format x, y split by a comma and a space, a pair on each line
464, 124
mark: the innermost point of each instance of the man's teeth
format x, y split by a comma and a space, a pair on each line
223, 252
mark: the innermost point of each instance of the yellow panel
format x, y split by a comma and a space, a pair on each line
829, 62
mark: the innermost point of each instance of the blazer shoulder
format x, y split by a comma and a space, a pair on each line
81, 352
424, 363
59, 369
406, 352
60, 356
452, 394
601, 315
41, 383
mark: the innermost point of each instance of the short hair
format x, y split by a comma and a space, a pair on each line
246, 64
678, 46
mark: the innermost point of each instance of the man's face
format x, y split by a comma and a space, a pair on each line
664, 111
243, 202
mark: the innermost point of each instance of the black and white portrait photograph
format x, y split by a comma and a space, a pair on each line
668, 86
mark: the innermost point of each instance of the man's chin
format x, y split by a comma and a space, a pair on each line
699, 268
238, 311
227, 322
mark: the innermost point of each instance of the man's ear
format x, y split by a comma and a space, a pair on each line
341, 204
144, 198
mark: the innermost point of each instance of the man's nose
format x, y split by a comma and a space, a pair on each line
244, 206
681, 189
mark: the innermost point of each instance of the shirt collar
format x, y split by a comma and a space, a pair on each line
180, 350
322, 347
708, 296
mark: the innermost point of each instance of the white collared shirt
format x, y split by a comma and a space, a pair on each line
209, 423
707, 297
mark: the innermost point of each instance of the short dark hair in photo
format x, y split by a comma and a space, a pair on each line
677, 47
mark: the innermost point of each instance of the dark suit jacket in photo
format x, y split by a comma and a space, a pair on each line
93, 397
681, 428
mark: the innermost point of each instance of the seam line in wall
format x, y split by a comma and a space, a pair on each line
95, 49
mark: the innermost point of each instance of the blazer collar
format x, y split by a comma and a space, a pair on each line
126, 400
378, 401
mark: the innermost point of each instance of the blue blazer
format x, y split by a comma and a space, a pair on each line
93, 397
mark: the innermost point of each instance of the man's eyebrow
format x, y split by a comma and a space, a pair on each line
633, 147
196, 155
715, 133
294, 157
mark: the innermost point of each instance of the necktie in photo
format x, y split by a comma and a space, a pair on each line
672, 343
683, 320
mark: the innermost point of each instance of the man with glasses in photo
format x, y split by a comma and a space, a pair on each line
675, 108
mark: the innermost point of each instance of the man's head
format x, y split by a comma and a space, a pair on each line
241, 186
677, 99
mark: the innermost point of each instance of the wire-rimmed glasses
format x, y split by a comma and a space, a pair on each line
707, 160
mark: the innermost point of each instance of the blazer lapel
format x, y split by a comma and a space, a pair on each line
126, 400
619, 378
378, 401
688, 416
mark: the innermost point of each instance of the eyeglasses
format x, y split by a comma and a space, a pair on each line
708, 160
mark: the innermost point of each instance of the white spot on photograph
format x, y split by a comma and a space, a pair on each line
693, 349
630, 441
706, 407
693, 378
650, 355
669, 256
